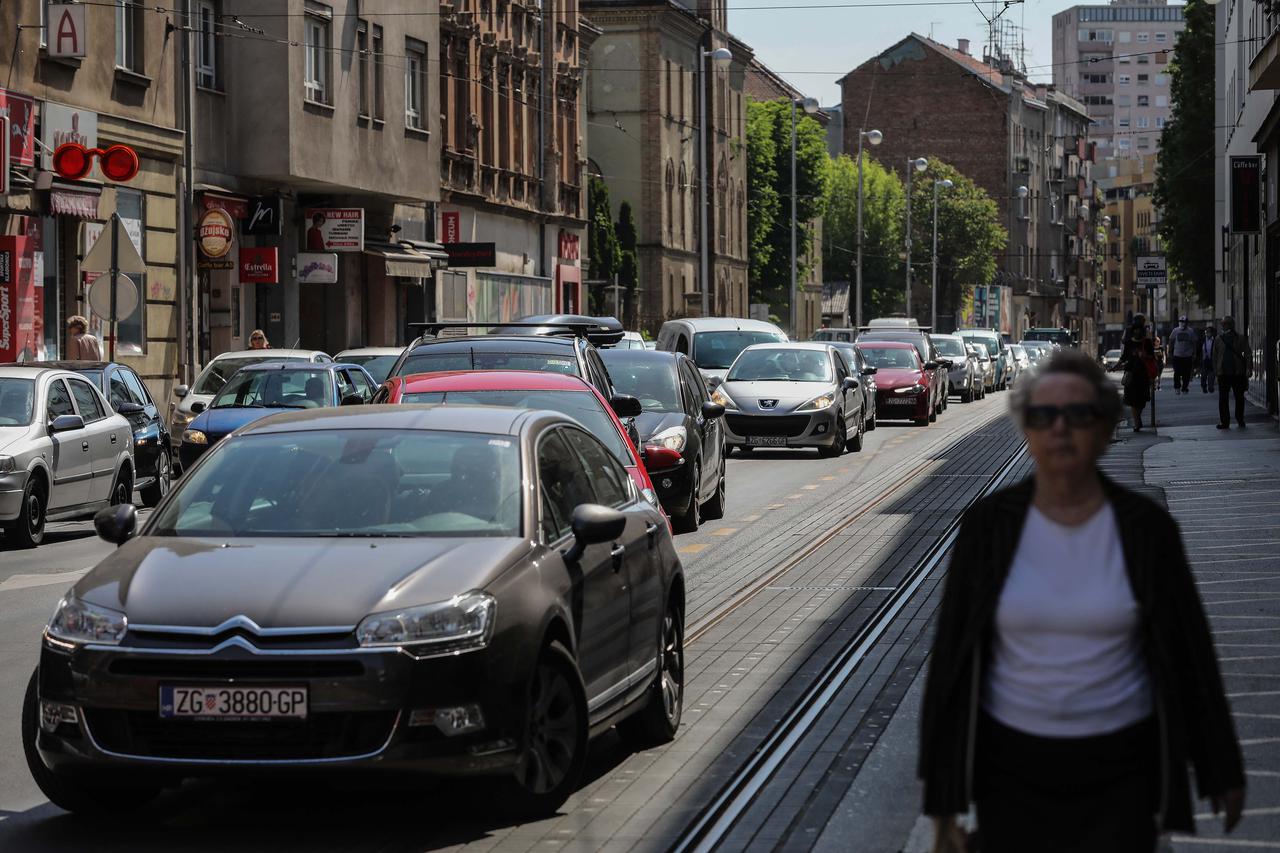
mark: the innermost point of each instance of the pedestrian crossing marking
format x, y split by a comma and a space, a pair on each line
14, 582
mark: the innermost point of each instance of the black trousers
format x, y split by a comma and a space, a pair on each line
1067, 795
1235, 384
1182, 371
1206, 375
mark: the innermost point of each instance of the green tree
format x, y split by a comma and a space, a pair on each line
1184, 174
882, 204
603, 250
970, 236
769, 182
628, 265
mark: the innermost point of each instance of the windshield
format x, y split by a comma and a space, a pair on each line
222, 369
377, 365
979, 352
582, 406
17, 401
786, 365
276, 389
360, 482
717, 350
989, 342
1054, 336
1113, 353
949, 347
426, 361
653, 383
891, 358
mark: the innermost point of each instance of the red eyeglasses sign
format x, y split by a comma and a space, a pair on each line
119, 163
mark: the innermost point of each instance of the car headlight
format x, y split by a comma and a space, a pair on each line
911, 389
463, 623
77, 621
181, 419
8, 465
195, 436
723, 399
817, 404
672, 439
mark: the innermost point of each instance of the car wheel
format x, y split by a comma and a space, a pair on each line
75, 793
933, 415
922, 421
122, 488
871, 424
555, 738
688, 521
837, 441
658, 721
855, 443
714, 508
27, 531
155, 492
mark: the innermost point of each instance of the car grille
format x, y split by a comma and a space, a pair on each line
197, 669
791, 426
324, 735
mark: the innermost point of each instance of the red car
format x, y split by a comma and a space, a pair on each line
526, 389
902, 386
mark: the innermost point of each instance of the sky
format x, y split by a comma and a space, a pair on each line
813, 47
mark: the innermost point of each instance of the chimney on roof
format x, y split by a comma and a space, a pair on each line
963, 46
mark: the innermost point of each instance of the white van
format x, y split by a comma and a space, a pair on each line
714, 342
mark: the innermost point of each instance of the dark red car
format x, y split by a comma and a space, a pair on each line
526, 389
902, 383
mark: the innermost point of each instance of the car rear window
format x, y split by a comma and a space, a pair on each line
222, 369
473, 359
277, 389
17, 401
651, 381
377, 365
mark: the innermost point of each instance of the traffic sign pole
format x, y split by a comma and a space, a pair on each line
115, 278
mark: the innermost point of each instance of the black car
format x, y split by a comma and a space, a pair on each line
676, 415
451, 590
858, 367
128, 395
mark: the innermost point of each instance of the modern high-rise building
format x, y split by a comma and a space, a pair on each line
1115, 59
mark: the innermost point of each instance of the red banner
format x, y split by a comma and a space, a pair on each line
20, 337
21, 112
259, 265
450, 227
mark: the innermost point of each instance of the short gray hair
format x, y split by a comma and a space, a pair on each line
1074, 363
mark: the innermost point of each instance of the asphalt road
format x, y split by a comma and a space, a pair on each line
780, 504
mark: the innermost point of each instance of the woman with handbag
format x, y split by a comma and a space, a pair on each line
1073, 675
1138, 361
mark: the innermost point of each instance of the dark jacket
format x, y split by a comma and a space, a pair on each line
1191, 707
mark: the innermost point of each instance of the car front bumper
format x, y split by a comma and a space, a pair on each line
794, 429
673, 485
365, 712
891, 406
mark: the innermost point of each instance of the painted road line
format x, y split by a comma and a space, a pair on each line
692, 549
48, 579
724, 531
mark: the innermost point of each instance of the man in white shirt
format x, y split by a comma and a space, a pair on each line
1182, 342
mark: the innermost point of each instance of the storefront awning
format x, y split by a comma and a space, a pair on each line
69, 202
408, 260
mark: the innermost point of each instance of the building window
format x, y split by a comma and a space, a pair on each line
1123, 79
378, 68
1143, 79
1122, 122
1123, 100
362, 68
1162, 100
1125, 37
670, 181
1162, 37
415, 84
1144, 100
1143, 38
683, 188
1162, 79
129, 29
319, 26
1144, 122
206, 44
1160, 122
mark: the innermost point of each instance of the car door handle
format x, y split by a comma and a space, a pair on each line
650, 529
113, 438
618, 551
84, 445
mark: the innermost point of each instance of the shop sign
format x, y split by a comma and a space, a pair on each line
335, 229
237, 207
317, 268
214, 233
66, 30
569, 250
21, 112
259, 265
450, 226
262, 217
1246, 198
21, 304
61, 124
472, 254
1153, 271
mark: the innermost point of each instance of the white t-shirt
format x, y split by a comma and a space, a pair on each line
1066, 658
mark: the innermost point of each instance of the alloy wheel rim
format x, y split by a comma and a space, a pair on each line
671, 667
553, 732
165, 472
121, 493
34, 524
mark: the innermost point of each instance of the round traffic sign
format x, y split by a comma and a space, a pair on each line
126, 296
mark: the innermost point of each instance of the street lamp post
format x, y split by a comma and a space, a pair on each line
875, 137
919, 164
944, 184
810, 106
720, 57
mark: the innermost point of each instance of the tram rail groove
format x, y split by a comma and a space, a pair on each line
714, 822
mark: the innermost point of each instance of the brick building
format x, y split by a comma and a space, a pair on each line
644, 138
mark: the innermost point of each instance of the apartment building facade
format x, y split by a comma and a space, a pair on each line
1115, 59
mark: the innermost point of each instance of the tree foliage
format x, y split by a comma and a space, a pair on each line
1184, 174
882, 204
769, 208
603, 251
628, 271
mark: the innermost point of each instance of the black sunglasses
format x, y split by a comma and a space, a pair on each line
1075, 414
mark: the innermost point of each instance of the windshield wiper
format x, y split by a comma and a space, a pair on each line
239, 406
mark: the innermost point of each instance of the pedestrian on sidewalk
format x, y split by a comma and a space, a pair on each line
1182, 342
1073, 676
1233, 364
81, 346
1138, 361
1206, 359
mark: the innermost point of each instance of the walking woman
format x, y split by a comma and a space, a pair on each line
1137, 360
1073, 676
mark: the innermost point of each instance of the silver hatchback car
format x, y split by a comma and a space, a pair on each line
64, 452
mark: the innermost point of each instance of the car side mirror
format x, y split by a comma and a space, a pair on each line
931, 365
711, 410
131, 408
870, 371
947, 363
66, 423
197, 407
626, 406
849, 383
591, 525
714, 382
181, 391
352, 400
116, 524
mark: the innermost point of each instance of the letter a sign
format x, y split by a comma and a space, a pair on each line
66, 33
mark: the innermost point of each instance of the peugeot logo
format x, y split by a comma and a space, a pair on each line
768, 404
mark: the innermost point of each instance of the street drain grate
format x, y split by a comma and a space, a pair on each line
1207, 482
829, 588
